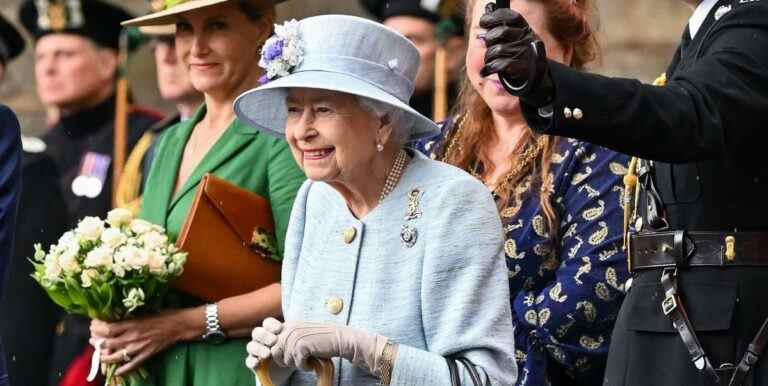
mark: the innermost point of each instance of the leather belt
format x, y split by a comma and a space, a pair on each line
658, 250
674, 308
677, 250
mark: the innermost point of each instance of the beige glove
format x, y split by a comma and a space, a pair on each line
299, 341
263, 338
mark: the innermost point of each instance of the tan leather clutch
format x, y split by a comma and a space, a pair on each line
229, 238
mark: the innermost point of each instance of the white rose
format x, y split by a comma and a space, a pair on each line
99, 257
52, 267
90, 228
118, 217
139, 226
86, 278
157, 262
133, 257
66, 241
113, 238
154, 240
68, 262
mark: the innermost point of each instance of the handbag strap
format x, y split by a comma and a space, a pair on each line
454, 371
473, 374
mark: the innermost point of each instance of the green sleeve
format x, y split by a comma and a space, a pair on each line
284, 180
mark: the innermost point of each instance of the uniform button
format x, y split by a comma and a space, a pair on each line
334, 305
578, 114
349, 235
567, 113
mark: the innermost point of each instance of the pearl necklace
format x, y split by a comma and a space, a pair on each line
394, 175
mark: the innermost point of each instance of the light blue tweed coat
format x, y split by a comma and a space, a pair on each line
446, 294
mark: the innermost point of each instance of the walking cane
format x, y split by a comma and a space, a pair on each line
323, 368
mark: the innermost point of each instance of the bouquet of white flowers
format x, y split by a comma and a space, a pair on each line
109, 270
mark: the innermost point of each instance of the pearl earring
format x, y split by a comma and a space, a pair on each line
379, 147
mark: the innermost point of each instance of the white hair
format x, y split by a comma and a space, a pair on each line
399, 120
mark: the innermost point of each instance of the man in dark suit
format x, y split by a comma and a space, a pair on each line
10, 176
695, 313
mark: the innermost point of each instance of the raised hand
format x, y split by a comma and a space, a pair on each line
517, 54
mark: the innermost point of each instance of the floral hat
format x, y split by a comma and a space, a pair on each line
168, 10
338, 53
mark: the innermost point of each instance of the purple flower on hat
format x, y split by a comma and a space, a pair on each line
282, 52
273, 48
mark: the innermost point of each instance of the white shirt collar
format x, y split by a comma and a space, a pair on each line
700, 15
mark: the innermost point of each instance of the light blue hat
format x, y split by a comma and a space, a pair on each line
339, 53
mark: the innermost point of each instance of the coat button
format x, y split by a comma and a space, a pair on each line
349, 235
578, 114
567, 113
334, 305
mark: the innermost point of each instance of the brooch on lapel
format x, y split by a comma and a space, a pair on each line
413, 211
409, 234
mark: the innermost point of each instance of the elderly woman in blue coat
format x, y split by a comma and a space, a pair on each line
387, 252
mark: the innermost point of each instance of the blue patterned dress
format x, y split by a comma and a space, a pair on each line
567, 291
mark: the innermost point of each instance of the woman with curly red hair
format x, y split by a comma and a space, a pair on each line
559, 201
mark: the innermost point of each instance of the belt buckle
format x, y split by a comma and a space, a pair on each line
669, 305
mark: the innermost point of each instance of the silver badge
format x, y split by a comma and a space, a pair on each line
722, 11
409, 235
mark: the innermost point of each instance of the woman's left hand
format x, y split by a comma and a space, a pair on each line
131, 342
300, 341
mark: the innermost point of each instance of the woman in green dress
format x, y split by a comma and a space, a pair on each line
220, 42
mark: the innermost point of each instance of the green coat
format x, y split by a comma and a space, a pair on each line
250, 159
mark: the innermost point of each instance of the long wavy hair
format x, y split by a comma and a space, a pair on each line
569, 22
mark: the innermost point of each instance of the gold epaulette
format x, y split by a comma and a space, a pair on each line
129, 187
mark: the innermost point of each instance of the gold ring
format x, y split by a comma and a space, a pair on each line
126, 357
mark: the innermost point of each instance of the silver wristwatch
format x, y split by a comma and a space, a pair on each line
213, 333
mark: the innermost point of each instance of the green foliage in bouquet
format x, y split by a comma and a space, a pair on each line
109, 270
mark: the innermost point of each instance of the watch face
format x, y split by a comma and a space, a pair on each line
214, 337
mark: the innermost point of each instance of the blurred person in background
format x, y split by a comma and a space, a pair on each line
427, 24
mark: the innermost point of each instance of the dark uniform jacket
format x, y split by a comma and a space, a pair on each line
10, 173
706, 129
29, 316
81, 145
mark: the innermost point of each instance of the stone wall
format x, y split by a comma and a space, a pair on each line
638, 38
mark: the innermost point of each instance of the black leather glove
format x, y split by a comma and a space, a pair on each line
517, 55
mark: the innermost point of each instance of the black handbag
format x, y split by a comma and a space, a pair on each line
453, 368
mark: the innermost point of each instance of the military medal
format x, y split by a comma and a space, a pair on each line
93, 174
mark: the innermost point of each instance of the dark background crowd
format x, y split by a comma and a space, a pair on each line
630, 47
